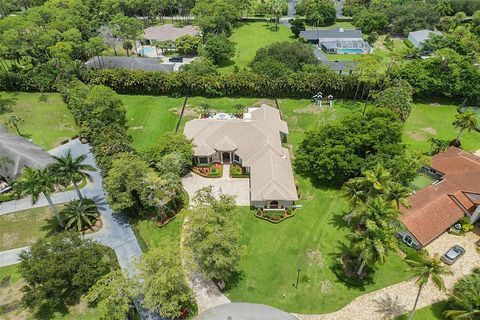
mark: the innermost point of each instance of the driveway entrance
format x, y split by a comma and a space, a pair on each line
238, 187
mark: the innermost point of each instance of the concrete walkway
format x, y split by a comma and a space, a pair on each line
116, 231
392, 301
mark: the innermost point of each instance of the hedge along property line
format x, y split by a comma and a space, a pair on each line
240, 84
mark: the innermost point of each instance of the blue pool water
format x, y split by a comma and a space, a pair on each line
146, 50
349, 50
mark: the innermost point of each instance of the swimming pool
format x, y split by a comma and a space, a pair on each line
349, 50
146, 50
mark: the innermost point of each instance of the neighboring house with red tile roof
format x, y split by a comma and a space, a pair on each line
454, 195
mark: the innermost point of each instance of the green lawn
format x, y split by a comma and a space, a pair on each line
432, 312
11, 295
150, 116
336, 25
249, 37
420, 182
429, 120
46, 123
23, 228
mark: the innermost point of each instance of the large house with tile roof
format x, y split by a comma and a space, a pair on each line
455, 194
255, 143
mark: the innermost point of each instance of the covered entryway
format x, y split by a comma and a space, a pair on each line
226, 157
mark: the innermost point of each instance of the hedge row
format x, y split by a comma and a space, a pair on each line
243, 83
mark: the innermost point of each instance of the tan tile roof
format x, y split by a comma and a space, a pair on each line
439, 206
256, 139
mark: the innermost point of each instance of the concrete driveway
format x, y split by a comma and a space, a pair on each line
238, 187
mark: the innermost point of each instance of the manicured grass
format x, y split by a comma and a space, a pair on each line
168, 235
421, 181
23, 228
47, 123
435, 121
151, 116
249, 37
432, 312
336, 25
12, 295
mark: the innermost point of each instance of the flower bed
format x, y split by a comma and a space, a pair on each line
214, 170
237, 171
274, 216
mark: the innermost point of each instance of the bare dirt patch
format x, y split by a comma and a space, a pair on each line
136, 128
325, 286
430, 130
265, 101
313, 108
314, 258
417, 136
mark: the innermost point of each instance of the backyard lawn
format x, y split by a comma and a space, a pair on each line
47, 123
429, 120
150, 116
10, 295
23, 228
249, 37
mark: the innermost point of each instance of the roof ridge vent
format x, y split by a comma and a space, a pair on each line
341, 30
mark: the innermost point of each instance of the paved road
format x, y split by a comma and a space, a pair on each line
339, 8
116, 231
290, 13
244, 311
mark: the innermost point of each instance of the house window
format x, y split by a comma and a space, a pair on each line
408, 240
202, 159
274, 204
237, 159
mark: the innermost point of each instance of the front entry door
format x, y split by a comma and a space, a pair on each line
226, 157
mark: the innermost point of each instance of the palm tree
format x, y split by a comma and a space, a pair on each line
34, 182
378, 178
425, 270
154, 194
373, 244
397, 194
81, 213
465, 121
466, 307
354, 193
378, 211
68, 170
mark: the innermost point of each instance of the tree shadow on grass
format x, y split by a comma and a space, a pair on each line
234, 280
339, 220
226, 63
338, 269
52, 227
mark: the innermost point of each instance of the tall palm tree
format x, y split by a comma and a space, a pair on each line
397, 194
154, 194
354, 193
425, 270
466, 307
80, 213
373, 244
465, 121
35, 182
68, 169
379, 212
378, 178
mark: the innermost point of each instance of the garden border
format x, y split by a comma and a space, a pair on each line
274, 221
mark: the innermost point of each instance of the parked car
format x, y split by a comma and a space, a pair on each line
453, 254
176, 59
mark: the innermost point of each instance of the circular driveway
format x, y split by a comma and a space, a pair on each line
244, 311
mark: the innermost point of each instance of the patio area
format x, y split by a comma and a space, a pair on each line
238, 187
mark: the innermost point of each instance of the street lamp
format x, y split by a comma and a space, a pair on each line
298, 276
